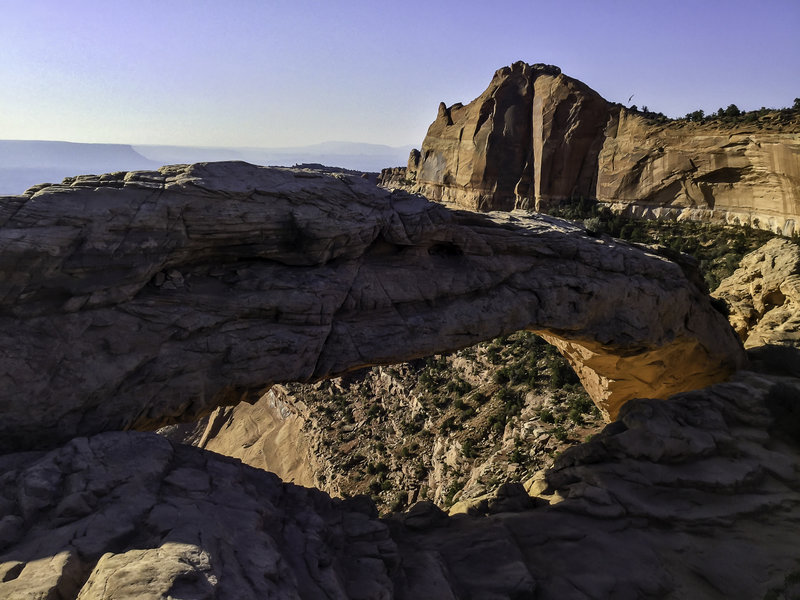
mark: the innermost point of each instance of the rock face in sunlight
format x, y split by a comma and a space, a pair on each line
530, 139
140, 299
536, 137
711, 172
764, 295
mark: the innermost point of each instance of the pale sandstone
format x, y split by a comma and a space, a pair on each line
737, 174
763, 295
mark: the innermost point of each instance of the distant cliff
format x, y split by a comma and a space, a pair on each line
536, 137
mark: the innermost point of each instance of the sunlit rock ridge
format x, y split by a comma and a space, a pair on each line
134, 300
536, 137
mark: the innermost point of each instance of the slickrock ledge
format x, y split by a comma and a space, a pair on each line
697, 496
133, 300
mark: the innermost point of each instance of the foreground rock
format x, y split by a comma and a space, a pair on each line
536, 137
135, 300
764, 295
694, 497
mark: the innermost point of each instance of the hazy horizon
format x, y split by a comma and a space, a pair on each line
25, 163
287, 74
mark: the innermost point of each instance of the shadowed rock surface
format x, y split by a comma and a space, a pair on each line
133, 300
697, 496
536, 137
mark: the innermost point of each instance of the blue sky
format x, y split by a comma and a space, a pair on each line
296, 72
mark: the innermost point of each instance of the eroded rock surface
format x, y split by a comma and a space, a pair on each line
536, 137
710, 172
530, 139
135, 300
764, 295
697, 496
128, 515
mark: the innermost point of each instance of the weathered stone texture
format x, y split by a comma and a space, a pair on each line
135, 300
701, 172
536, 137
764, 295
697, 496
531, 137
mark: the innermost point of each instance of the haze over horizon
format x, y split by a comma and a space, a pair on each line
286, 74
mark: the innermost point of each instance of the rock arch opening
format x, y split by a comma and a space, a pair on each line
121, 353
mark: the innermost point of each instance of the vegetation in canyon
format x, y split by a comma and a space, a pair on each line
717, 248
448, 427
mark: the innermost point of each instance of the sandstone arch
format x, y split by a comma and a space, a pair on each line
137, 299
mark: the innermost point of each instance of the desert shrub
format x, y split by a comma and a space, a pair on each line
560, 373
458, 386
449, 424
594, 225
468, 449
451, 491
399, 502
501, 377
497, 422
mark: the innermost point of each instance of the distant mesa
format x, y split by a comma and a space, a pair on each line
25, 163
537, 137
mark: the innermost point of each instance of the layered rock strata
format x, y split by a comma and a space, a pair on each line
133, 300
763, 295
530, 139
694, 497
536, 137
736, 174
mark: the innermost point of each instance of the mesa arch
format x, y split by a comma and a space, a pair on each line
132, 300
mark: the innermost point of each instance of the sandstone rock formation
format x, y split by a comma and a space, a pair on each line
133, 300
694, 497
536, 137
531, 138
733, 174
764, 295
128, 515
